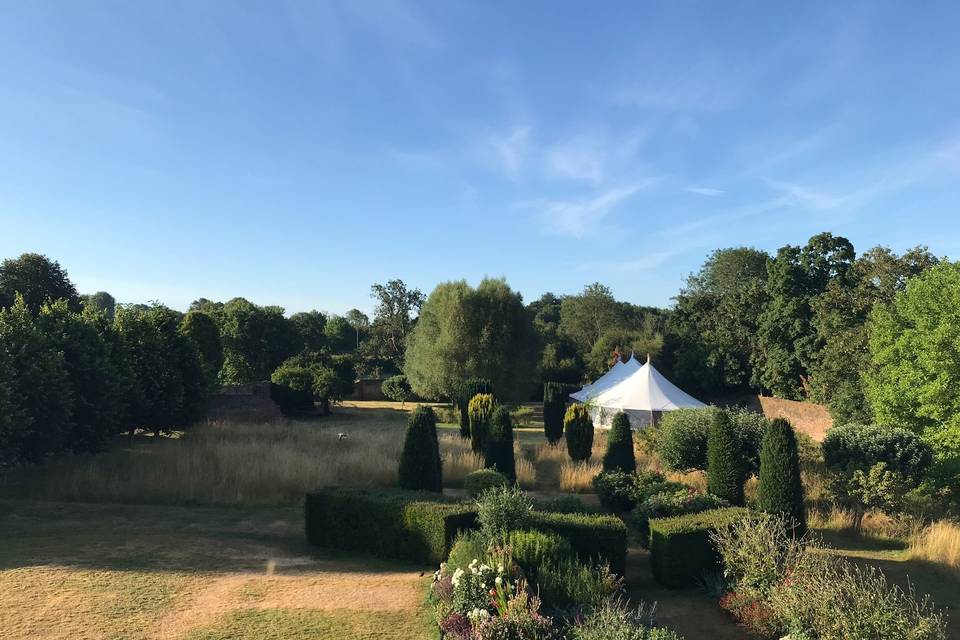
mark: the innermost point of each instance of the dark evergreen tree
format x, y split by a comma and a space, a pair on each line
420, 467
554, 406
619, 455
780, 490
480, 408
498, 453
578, 429
467, 390
725, 464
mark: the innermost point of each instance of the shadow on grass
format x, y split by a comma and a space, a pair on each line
858, 542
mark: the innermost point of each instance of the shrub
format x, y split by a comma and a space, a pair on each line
469, 546
533, 549
594, 538
578, 429
682, 442
479, 410
780, 490
725, 466
555, 396
619, 453
468, 389
613, 620
563, 504
674, 501
397, 388
498, 452
479, 481
502, 510
681, 551
420, 467
398, 525
292, 388
857, 446
569, 584
617, 490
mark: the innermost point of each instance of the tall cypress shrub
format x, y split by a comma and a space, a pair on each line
554, 405
468, 389
499, 448
619, 455
420, 468
480, 408
578, 429
725, 465
780, 490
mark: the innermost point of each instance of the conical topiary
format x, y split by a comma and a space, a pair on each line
499, 447
554, 405
468, 389
420, 467
480, 408
578, 429
725, 466
619, 455
780, 490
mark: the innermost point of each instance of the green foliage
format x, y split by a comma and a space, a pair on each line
570, 584
201, 328
310, 327
667, 501
501, 510
914, 379
534, 549
38, 279
464, 332
522, 416
292, 388
393, 321
387, 524
420, 467
875, 488
618, 342
780, 490
256, 340
339, 335
565, 503
682, 441
397, 388
465, 393
555, 395
594, 538
479, 410
621, 491
619, 453
477, 482
614, 620
726, 469
578, 429
498, 449
680, 548
469, 546
100, 302
857, 446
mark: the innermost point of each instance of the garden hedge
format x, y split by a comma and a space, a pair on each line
597, 537
680, 547
400, 525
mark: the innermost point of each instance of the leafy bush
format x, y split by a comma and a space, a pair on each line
502, 510
681, 551
682, 442
780, 490
594, 538
569, 584
393, 524
533, 549
469, 546
563, 504
477, 482
555, 395
480, 408
467, 390
619, 453
619, 491
674, 501
578, 429
519, 618
614, 620
397, 388
726, 472
420, 466
498, 451
292, 388
857, 446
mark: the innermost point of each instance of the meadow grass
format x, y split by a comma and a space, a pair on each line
938, 543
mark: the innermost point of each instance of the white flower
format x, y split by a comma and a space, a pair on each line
478, 614
456, 577
498, 580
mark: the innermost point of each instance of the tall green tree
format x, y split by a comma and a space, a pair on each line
585, 317
560, 361
310, 326
914, 377
726, 467
100, 302
780, 490
38, 279
340, 335
201, 328
255, 341
393, 319
464, 333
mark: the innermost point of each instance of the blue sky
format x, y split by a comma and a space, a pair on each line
296, 152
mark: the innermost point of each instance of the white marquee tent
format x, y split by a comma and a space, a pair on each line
617, 373
643, 394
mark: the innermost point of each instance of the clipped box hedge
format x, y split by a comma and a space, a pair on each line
596, 537
400, 525
680, 547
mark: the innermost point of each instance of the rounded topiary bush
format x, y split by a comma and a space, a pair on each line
578, 430
554, 405
292, 388
468, 389
780, 490
725, 467
682, 442
619, 455
860, 446
476, 482
498, 450
420, 467
480, 409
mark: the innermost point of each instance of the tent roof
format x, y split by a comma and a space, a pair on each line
619, 371
645, 389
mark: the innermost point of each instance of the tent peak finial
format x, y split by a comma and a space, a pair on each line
648, 358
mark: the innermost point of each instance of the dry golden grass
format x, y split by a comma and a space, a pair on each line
938, 543
578, 476
458, 459
526, 473
875, 524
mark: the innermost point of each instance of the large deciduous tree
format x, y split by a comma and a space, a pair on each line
393, 320
201, 328
464, 333
38, 279
255, 341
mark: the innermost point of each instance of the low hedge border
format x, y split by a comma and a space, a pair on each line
680, 547
593, 537
400, 525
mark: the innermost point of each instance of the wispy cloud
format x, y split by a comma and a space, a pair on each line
510, 149
575, 160
646, 262
578, 218
705, 191
805, 196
